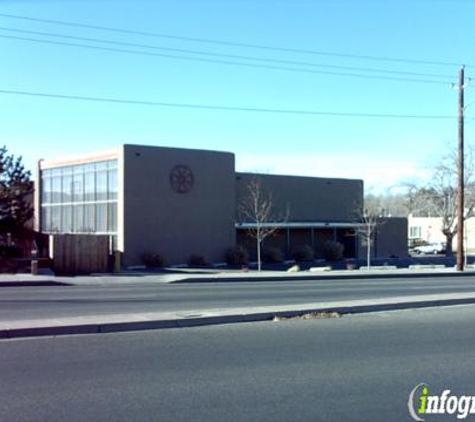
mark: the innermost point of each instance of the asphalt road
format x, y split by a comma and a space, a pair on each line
21, 303
356, 368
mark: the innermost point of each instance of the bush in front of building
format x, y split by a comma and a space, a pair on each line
332, 251
237, 255
8, 265
303, 253
153, 260
197, 261
272, 255
10, 251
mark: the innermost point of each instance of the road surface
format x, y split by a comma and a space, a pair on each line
356, 368
21, 303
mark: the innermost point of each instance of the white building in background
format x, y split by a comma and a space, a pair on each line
429, 229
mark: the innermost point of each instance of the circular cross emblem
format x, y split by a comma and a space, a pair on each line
181, 179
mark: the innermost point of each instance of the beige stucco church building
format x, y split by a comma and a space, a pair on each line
183, 202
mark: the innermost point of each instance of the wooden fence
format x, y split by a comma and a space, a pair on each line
79, 254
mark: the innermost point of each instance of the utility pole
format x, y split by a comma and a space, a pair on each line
460, 202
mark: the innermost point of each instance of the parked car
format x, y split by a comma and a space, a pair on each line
432, 248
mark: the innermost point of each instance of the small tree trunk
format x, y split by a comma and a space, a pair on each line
258, 254
448, 247
258, 244
368, 249
368, 256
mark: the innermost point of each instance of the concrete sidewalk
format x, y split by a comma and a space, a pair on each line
200, 317
25, 280
217, 276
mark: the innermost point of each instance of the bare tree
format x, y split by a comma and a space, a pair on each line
388, 204
438, 198
369, 223
257, 208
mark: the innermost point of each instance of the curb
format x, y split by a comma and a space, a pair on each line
116, 327
319, 276
33, 283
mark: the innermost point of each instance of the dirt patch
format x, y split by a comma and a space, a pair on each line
311, 315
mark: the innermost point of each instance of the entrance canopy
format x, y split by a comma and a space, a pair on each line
301, 225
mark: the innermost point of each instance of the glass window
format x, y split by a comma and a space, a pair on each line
78, 187
56, 172
85, 197
112, 183
102, 165
45, 190
89, 218
56, 190
46, 219
415, 232
112, 218
88, 168
46, 173
101, 186
101, 218
67, 189
65, 171
89, 187
66, 221
55, 218
78, 218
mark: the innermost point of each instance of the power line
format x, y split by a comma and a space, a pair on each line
469, 105
229, 43
227, 62
233, 56
220, 108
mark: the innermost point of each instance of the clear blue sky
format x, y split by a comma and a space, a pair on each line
382, 151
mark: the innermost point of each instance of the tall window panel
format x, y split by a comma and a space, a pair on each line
67, 219
55, 219
46, 218
46, 190
112, 184
56, 190
78, 218
89, 218
78, 187
101, 218
89, 186
67, 191
101, 186
112, 217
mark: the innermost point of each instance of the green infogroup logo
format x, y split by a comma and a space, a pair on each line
421, 403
